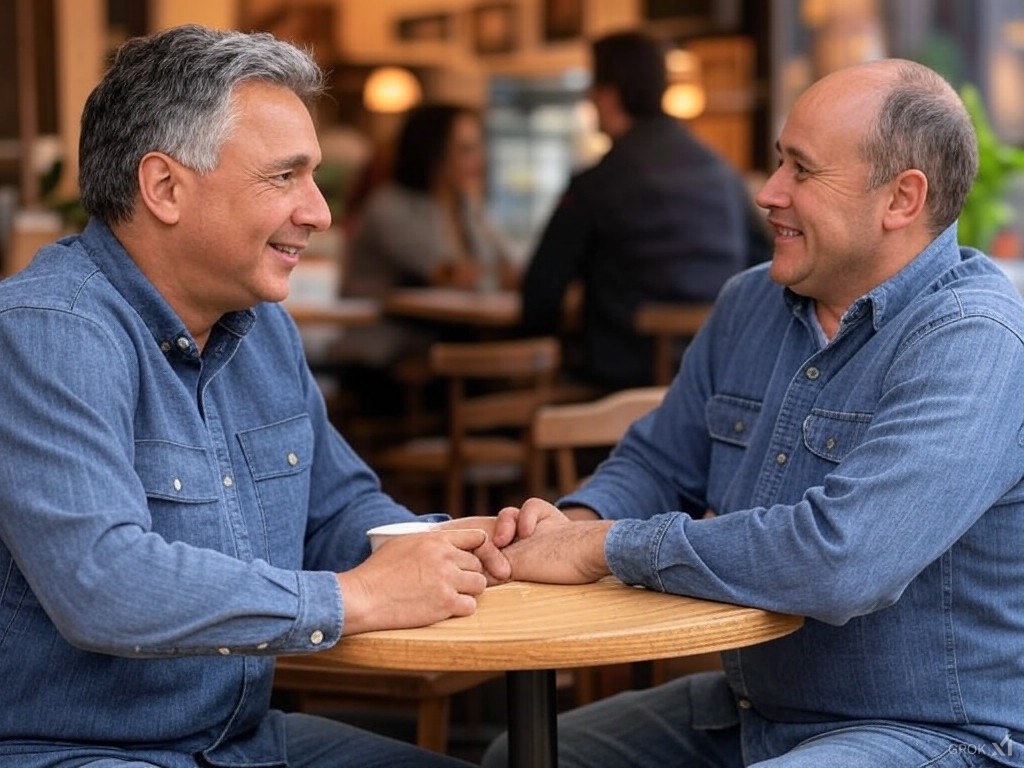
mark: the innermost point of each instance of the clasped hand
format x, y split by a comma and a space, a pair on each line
417, 580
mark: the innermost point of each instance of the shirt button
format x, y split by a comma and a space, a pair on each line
744, 704
228, 482
812, 373
830, 443
262, 646
293, 459
781, 458
738, 426
182, 343
224, 651
165, 346
317, 637
177, 484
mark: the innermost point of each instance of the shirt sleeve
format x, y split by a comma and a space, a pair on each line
943, 447
77, 524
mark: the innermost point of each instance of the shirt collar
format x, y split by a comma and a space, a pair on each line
124, 274
888, 299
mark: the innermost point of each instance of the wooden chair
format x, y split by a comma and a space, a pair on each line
558, 432
494, 388
306, 686
669, 323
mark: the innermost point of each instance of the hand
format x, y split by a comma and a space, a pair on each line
521, 522
412, 581
495, 564
554, 549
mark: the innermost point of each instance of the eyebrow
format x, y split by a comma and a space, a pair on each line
797, 154
291, 161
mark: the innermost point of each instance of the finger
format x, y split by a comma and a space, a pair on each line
470, 583
463, 605
465, 538
494, 563
505, 526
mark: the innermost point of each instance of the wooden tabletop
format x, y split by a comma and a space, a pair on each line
494, 309
524, 626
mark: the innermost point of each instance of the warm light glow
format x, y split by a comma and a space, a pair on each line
683, 100
682, 64
391, 89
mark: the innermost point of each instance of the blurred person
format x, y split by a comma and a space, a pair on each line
175, 508
852, 413
661, 218
426, 225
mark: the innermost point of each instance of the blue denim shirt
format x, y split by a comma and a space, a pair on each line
169, 520
872, 483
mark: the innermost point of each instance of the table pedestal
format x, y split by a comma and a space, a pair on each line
532, 736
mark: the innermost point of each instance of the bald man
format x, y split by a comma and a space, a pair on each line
852, 414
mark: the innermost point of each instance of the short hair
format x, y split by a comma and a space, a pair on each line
633, 64
923, 124
172, 92
422, 143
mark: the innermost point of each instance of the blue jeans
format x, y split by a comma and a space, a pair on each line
694, 722
312, 742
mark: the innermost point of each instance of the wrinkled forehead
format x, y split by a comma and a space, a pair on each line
835, 112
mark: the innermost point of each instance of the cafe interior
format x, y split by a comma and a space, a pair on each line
476, 420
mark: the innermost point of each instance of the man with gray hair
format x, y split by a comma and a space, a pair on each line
852, 415
175, 507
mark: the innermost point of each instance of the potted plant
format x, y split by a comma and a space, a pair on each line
987, 212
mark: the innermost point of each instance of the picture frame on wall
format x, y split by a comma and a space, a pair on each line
433, 27
561, 20
494, 28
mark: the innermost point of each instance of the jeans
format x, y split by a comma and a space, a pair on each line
312, 742
694, 722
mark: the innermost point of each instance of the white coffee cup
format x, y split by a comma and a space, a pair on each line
383, 533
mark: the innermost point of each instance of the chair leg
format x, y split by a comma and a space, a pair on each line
432, 724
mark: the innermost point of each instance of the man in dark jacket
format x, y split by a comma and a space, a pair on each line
661, 218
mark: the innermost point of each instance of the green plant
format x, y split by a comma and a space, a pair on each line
986, 211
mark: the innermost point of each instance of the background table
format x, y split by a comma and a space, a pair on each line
494, 309
529, 630
337, 313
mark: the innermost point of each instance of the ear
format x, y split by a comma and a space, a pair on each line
160, 186
909, 191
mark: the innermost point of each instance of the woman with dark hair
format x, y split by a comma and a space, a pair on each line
426, 224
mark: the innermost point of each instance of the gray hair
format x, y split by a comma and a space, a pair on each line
172, 92
923, 124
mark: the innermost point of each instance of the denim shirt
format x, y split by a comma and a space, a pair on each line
169, 519
872, 484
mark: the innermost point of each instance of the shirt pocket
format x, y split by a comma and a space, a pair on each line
181, 492
831, 435
730, 423
279, 458
731, 420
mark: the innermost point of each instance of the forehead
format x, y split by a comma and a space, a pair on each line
269, 121
833, 115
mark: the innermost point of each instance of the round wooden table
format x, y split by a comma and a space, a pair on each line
528, 630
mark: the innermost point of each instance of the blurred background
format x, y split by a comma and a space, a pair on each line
737, 66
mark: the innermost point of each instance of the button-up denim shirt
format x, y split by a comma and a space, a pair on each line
169, 519
872, 483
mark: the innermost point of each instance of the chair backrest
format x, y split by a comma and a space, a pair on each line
492, 385
669, 323
561, 429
